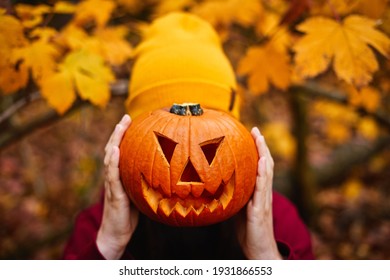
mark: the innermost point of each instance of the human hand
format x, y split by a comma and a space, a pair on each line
120, 217
255, 231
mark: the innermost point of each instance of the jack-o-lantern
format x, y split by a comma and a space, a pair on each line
187, 166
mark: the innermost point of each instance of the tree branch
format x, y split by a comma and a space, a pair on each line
14, 133
315, 90
303, 178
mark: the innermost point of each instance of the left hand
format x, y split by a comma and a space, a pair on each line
255, 231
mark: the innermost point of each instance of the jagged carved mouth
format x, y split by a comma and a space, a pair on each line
156, 199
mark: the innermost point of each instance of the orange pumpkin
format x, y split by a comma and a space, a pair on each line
187, 166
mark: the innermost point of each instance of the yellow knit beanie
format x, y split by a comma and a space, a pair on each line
180, 60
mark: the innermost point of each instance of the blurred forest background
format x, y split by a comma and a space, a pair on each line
313, 75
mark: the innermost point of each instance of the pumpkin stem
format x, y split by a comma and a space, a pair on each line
186, 109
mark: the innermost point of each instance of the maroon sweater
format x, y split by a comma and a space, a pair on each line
153, 240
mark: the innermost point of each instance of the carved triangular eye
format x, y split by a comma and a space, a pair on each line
210, 148
167, 146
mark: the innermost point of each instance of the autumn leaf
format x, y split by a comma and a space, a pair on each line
81, 71
280, 140
333, 8
224, 13
44, 34
97, 11
352, 189
132, 6
166, 6
39, 56
368, 128
372, 8
31, 15
338, 120
344, 44
12, 77
337, 132
265, 65
108, 42
64, 7
367, 98
58, 90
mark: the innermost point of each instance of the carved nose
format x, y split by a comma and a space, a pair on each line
190, 174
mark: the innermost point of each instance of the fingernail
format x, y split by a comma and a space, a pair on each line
125, 118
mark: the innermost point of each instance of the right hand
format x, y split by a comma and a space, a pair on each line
120, 217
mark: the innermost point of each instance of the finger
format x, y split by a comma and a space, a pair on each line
124, 122
261, 181
260, 142
108, 149
120, 131
113, 175
262, 146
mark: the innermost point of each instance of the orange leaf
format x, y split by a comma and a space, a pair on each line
12, 77
31, 15
64, 7
344, 44
264, 65
367, 97
98, 11
368, 128
166, 6
224, 13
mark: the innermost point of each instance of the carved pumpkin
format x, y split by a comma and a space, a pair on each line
187, 166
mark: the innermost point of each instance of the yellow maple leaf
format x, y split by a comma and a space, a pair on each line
337, 132
335, 112
132, 6
352, 189
72, 37
39, 56
44, 34
344, 44
367, 97
108, 42
12, 77
223, 13
333, 8
372, 8
166, 6
64, 7
265, 65
98, 11
81, 71
338, 120
58, 90
279, 139
368, 128
31, 15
